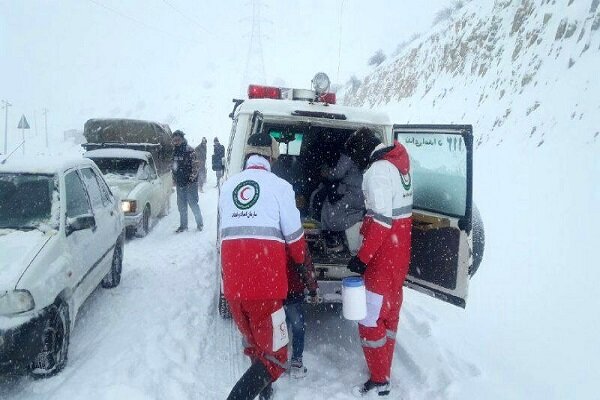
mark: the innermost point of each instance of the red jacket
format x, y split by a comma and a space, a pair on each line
387, 225
301, 278
259, 226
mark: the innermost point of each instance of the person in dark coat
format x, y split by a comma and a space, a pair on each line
344, 207
201, 154
217, 160
185, 175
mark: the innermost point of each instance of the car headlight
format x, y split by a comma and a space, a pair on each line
16, 302
128, 206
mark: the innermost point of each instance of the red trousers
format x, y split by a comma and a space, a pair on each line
264, 332
378, 333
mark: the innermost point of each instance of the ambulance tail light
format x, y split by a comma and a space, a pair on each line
263, 92
328, 98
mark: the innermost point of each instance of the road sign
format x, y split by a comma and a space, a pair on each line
23, 124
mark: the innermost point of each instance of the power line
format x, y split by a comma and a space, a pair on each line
45, 112
184, 15
147, 26
255, 65
340, 42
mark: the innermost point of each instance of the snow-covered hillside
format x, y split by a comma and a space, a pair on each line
524, 74
519, 70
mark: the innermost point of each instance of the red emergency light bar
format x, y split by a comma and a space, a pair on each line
263, 92
328, 98
271, 92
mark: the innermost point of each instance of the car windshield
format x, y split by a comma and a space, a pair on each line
26, 201
129, 168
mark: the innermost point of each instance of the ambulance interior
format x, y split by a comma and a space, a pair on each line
304, 150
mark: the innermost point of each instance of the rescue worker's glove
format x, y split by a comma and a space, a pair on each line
357, 266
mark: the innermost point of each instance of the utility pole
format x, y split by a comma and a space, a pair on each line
255, 65
5, 106
45, 112
35, 122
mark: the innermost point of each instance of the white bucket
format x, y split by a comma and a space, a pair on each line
354, 298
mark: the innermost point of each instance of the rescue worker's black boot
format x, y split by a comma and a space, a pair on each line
254, 380
381, 389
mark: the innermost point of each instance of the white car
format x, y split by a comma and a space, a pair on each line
61, 235
447, 234
132, 174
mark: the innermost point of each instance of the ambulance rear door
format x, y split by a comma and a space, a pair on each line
442, 181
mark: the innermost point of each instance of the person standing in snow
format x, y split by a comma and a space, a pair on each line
301, 277
217, 160
384, 256
201, 154
259, 228
185, 175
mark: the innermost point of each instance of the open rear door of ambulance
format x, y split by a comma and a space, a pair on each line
442, 180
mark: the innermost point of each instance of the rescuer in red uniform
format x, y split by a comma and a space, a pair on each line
259, 227
384, 256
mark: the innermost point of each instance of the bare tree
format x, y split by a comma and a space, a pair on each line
354, 83
377, 58
442, 15
447, 12
402, 45
458, 4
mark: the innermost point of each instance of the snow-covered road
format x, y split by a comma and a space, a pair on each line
528, 325
158, 336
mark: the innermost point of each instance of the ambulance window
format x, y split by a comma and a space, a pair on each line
439, 171
291, 148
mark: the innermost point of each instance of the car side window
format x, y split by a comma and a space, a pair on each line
76, 197
107, 196
89, 178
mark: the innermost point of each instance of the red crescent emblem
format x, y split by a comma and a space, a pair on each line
242, 193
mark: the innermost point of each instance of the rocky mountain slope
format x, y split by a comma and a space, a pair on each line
519, 69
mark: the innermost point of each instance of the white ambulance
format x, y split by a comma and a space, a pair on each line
448, 237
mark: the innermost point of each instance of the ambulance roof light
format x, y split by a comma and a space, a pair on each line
263, 92
328, 98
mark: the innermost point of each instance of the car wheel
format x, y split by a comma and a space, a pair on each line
478, 241
144, 227
224, 310
55, 347
130, 232
113, 278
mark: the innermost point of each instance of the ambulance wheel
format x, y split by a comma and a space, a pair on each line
478, 241
224, 311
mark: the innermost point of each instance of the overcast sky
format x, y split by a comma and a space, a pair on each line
181, 61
